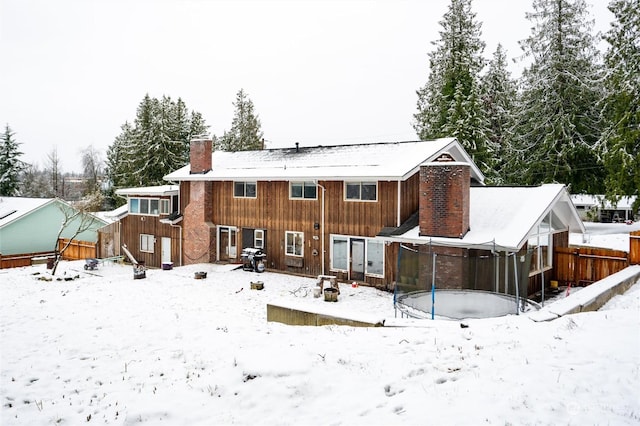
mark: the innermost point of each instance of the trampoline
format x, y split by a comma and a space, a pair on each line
460, 304
458, 283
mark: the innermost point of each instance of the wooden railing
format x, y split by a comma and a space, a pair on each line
77, 249
584, 265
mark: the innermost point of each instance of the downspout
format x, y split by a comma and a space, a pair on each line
398, 210
322, 225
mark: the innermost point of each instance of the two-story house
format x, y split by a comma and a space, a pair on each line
313, 210
347, 210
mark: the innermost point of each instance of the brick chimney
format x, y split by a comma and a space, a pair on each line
444, 198
200, 155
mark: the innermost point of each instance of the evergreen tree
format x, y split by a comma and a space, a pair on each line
450, 103
155, 144
558, 122
10, 164
245, 133
621, 105
499, 97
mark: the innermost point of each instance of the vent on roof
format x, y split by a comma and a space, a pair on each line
6, 213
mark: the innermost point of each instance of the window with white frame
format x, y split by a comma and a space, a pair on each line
294, 242
165, 206
361, 191
147, 242
340, 254
303, 190
541, 243
258, 238
244, 189
144, 206
375, 257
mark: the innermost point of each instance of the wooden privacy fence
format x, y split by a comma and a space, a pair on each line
77, 249
634, 248
23, 259
584, 265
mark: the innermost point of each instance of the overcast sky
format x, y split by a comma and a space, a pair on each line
318, 72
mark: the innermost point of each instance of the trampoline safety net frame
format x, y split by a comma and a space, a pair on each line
457, 283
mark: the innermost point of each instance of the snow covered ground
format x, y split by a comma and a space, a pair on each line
173, 350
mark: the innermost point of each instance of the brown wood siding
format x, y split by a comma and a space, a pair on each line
273, 211
134, 225
410, 200
185, 191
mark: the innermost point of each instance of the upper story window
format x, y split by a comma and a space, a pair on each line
303, 190
361, 191
165, 207
146, 206
244, 189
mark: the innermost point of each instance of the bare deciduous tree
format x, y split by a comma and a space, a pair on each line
77, 220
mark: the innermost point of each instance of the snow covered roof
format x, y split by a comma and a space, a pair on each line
13, 208
587, 200
113, 215
160, 190
503, 217
379, 161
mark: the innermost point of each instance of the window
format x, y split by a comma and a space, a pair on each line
541, 243
339, 253
361, 191
374, 254
164, 207
147, 242
134, 205
258, 238
304, 190
294, 242
375, 257
244, 189
153, 206
145, 206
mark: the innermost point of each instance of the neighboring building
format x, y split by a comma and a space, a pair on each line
337, 209
147, 225
597, 208
30, 226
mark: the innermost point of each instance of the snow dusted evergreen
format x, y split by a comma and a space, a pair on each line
450, 103
157, 143
245, 133
10, 164
499, 97
621, 104
558, 121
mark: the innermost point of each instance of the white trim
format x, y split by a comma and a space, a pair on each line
147, 237
286, 246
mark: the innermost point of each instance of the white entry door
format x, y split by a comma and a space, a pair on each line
166, 250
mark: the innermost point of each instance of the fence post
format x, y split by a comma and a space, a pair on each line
634, 248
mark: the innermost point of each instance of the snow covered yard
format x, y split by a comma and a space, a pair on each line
173, 350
